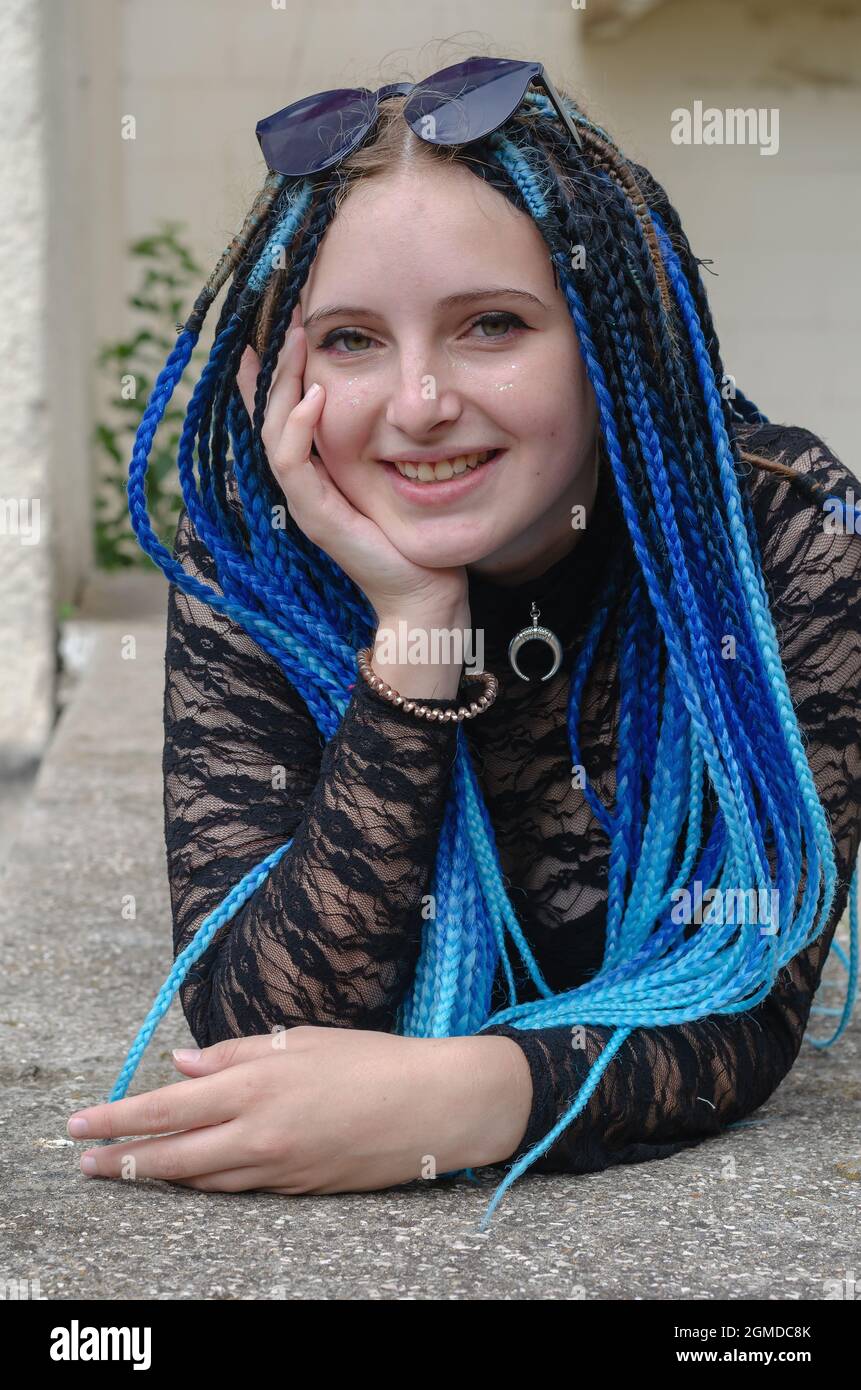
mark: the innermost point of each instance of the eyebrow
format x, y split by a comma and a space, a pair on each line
449, 302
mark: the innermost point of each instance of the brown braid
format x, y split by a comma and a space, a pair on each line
607, 157
235, 249
801, 480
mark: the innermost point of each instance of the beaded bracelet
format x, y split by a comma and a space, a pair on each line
491, 686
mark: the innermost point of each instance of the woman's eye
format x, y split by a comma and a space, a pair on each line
339, 334
505, 321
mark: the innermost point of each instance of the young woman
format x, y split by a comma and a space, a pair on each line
578, 919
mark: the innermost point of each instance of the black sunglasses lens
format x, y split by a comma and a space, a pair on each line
316, 132
467, 101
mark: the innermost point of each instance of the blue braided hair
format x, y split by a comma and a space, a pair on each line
691, 724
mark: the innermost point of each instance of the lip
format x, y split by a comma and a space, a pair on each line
451, 490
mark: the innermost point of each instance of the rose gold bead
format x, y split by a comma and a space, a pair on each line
409, 706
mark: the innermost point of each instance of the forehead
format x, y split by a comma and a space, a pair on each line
423, 228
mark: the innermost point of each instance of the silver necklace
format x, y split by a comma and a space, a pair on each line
535, 633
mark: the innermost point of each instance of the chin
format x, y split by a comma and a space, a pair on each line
447, 543
441, 557
438, 561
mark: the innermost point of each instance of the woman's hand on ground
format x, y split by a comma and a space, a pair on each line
390, 581
319, 1110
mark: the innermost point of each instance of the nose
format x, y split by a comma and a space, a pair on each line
421, 397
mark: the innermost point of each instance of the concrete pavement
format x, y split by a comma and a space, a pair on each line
768, 1210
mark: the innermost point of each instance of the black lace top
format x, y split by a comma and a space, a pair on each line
333, 934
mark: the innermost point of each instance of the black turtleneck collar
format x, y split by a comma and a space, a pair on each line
564, 591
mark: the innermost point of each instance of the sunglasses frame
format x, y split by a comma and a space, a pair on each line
531, 72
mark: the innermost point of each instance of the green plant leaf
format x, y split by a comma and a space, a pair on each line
167, 284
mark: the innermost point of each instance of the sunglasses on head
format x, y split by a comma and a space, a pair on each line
453, 107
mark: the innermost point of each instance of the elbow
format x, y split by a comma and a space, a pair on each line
215, 1015
196, 1006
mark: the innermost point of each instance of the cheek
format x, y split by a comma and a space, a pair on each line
347, 392
348, 415
537, 396
351, 394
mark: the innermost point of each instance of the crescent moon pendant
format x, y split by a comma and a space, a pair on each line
535, 633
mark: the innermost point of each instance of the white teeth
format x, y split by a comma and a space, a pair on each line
446, 468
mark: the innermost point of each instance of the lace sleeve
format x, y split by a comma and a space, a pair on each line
332, 936
668, 1088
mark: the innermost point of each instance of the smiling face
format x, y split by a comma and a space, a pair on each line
409, 376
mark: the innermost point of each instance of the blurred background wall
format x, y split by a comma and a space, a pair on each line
780, 230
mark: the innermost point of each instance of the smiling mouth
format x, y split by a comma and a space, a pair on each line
446, 468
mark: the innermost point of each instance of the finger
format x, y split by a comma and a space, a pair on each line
239, 1180
172, 1157
229, 1053
285, 386
249, 370
286, 390
304, 480
246, 377
180, 1105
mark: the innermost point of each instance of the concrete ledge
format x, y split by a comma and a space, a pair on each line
768, 1210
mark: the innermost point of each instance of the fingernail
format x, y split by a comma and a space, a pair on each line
187, 1054
78, 1128
312, 390
88, 1164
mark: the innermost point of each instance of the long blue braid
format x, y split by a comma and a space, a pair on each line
690, 578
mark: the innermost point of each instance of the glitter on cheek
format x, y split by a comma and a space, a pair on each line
507, 385
470, 369
352, 400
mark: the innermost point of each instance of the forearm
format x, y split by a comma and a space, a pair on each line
341, 912
332, 934
666, 1088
